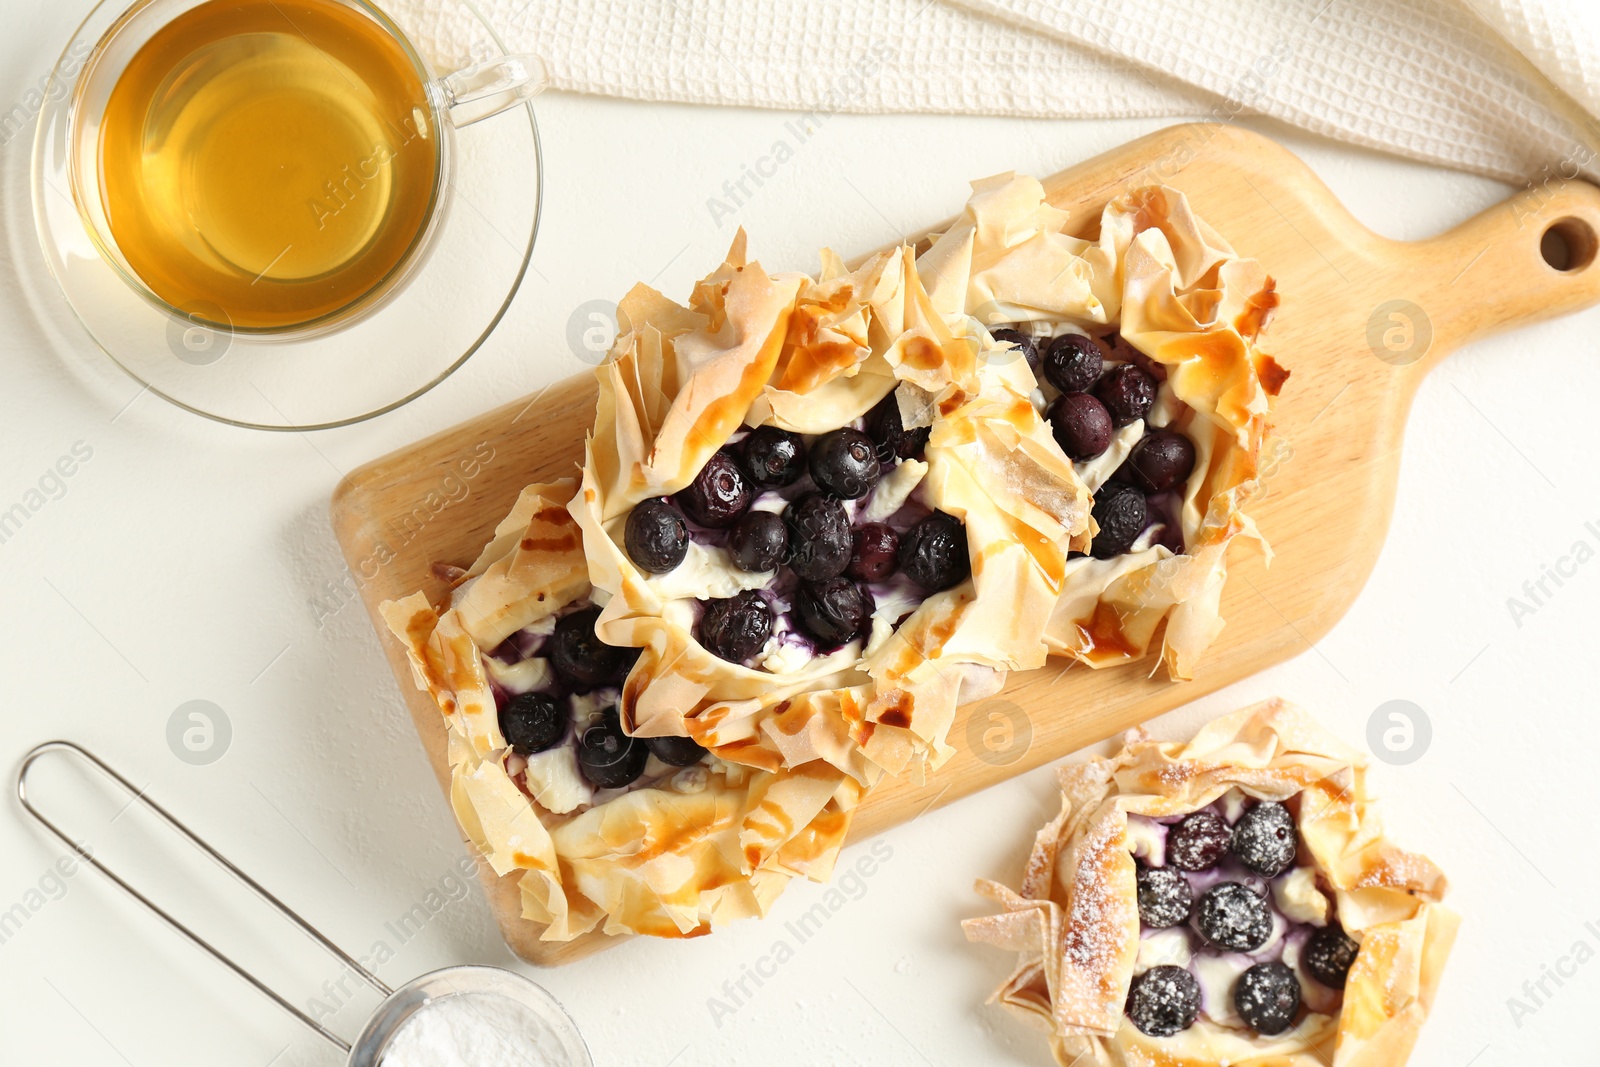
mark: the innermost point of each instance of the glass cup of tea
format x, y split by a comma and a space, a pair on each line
272, 183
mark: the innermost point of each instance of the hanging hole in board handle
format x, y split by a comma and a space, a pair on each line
1568, 245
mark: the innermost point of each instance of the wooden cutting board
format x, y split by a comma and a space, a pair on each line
1362, 319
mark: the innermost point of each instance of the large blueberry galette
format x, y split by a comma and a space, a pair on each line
1143, 346
824, 512
550, 787
1230, 901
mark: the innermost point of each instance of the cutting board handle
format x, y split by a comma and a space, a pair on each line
1530, 258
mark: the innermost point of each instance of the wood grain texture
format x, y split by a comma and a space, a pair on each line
1362, 319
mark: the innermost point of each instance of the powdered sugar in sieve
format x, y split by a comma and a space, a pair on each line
475, 1030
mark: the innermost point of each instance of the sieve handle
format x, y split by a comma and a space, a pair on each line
222, 861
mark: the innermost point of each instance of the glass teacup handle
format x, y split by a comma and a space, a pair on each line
488, 88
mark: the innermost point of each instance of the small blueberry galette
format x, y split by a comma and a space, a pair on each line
549, 787
1143, 345
1230, 901
824, 513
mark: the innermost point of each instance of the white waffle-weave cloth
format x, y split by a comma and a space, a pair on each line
1504, 88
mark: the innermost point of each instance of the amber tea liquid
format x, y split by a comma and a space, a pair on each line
271, 158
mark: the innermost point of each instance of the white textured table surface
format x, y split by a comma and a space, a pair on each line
187, 561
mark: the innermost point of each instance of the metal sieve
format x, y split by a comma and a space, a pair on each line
398, 1006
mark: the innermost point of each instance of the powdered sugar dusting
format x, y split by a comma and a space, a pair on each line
1094, 936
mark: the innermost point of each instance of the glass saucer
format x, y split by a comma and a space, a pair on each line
449, 305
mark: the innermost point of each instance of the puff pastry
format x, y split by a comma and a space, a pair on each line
689, 840
808, 663
1253, 959
1152, 328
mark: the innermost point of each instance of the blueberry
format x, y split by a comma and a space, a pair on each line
1081, 425
845, 463
1072, 362
737, 627
1199, 842
1120, 511
819, 537
1234, 916
1328, 955
1170, 537
718, 495
933, 553
833, 612
656, 536
873, 550
1263, 838
581, 658
607, 757
1127, 392
533, 722
758, 541
773, 458
888, 432
1164, 896
675, 751
1163, 1000
1160, 461
1024, 345
1267, 998
1121, 349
